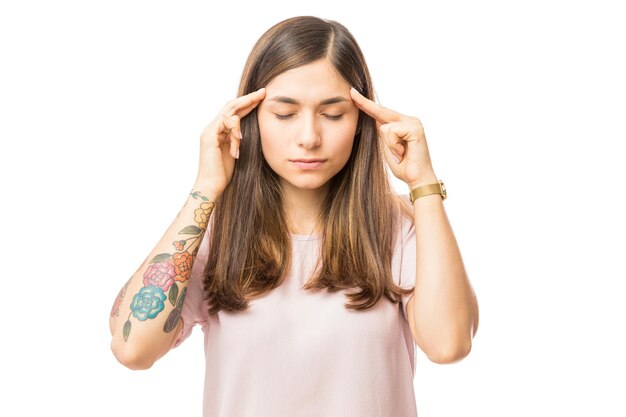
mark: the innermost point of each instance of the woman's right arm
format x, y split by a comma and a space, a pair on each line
145, 318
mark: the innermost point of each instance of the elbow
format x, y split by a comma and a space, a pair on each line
131, 358
452, 354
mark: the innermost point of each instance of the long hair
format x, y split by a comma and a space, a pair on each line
250, 247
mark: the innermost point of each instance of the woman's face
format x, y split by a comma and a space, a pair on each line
307, 114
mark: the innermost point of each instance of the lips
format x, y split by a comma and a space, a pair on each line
308, 160
308, 163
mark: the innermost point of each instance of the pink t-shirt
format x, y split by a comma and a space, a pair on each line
296, 353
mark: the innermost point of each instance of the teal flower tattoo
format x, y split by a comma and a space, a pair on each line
148, 302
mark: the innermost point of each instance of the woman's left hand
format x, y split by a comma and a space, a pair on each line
405, 141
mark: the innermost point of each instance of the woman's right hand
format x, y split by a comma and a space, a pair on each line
219, 142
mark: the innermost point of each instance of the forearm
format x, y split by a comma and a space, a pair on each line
445, 308
145, 317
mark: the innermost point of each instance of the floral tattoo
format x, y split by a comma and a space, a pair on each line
165, 271
115, 310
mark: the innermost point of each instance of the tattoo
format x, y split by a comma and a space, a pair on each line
166, 269
115, 310
174, 317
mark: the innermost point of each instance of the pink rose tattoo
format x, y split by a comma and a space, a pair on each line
160, 275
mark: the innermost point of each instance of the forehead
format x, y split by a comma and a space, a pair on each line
309, 83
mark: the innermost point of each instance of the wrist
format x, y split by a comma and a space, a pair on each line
426, 188
205, 190
431, 179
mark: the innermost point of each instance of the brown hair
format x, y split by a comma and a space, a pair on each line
250, 247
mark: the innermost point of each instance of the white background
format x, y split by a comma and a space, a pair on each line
523, 104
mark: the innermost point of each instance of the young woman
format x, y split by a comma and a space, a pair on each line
312, 280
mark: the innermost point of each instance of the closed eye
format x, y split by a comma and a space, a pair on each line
287, 116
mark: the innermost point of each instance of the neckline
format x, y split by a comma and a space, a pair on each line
305, 237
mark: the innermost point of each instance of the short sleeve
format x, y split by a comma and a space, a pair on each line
405, 256
195, 309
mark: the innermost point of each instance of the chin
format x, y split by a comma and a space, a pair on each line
306, 183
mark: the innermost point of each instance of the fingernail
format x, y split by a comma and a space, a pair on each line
240, 135
237, 156
354, 89
260, 89
397, 159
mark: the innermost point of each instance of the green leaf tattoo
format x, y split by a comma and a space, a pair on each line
181, 299
126, 329
174, 317
195, 194
172, 320
160, 258
190, 230
173, 294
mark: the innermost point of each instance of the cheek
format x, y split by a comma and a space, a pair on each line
346, 146
268, 134
349, 125
342, 135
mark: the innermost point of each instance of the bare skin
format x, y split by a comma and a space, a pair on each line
443, 311
145, 318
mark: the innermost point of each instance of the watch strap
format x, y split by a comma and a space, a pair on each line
428, 189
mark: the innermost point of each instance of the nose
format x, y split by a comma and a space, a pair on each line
308, 135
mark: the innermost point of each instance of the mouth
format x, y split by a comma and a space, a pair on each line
307, 163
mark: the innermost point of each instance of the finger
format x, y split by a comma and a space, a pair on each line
236, 126
401, 134
248, 109
225, 125
390, 156
234, 146
246, 102
391, 140
378, 112
233, 132
242, 112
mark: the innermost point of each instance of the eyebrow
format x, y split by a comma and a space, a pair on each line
289, 100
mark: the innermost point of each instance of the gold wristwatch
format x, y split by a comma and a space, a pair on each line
423, 190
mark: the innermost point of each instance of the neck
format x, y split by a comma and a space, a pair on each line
302, 208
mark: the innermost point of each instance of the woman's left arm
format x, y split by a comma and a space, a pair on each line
443, 311
444, 308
